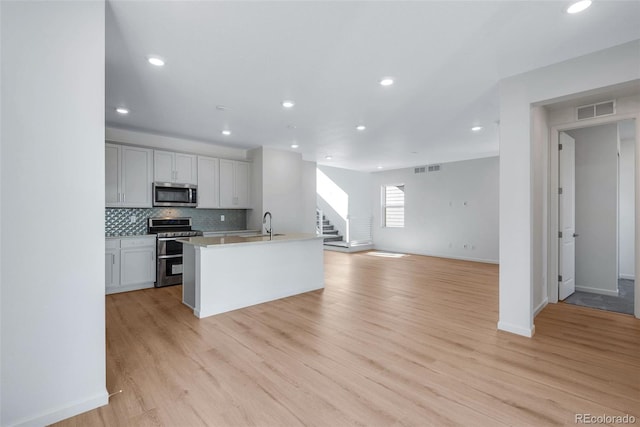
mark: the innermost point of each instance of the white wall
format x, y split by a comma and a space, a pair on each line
356, 185
308, 196
627, 209
444, 211
163, 142
605, 68
287, 188
254, 215
596, 208
52, 199
539, 152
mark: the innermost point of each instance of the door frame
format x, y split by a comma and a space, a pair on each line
552, 200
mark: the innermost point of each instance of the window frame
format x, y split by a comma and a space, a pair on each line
384, 205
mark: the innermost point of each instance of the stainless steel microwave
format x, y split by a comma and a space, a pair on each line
170, 194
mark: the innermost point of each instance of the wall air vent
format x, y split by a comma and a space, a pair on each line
433, 168
421, 169
590, 111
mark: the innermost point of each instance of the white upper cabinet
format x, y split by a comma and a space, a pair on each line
112, 174
174, 167
234, 184
128, 176
163, 166
208, 182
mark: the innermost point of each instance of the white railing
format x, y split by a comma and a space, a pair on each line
359, 231
319, 216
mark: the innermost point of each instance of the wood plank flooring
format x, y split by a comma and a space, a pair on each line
389, 342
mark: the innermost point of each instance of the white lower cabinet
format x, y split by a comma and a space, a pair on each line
112, 264
130, 264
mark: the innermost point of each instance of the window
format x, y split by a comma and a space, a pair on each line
393, 205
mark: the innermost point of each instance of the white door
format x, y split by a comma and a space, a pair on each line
185, 169
112, 175
136, 177
137, 266
112, 268
227, 180
163, 166
208, 182
567, 217
241, 185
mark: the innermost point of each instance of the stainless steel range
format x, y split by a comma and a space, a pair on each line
169, 251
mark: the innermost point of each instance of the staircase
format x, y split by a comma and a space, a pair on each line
330, 234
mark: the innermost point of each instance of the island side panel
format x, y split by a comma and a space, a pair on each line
189, 276
237, 276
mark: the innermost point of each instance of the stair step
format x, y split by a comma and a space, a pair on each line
335, 238
327, 227
326, 222
333, 232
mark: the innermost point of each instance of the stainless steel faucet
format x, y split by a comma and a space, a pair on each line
264, 222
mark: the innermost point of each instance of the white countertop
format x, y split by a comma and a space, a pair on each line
209, 242
132, 236
229, 231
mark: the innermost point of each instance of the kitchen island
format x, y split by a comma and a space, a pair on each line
221, 274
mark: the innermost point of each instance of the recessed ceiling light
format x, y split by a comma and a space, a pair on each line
476, 128
387, 81
328, 157
579, 6
222, 107
226, 132
155, 60
122, 110
379, 167
361, 127
294, 145
288, 104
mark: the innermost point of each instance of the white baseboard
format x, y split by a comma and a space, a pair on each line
439, 255
60, 414
515, 329
597, 291
540, 306
628, 276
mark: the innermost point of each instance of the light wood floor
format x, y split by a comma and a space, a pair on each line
389, 342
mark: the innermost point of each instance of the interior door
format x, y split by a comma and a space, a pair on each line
567, 217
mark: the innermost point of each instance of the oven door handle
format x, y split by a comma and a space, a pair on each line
169, 256
164, 239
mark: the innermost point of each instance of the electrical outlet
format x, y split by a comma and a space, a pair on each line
222, 218
133, 219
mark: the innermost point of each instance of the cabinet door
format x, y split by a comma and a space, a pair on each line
112, 175
163, 166
226, 183
136, 177
185, 168
208, 187
138, 266
112, 269
241, 185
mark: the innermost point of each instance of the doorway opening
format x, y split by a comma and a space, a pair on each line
596, 216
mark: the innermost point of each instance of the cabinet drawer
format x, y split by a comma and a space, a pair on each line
112, 244
136, 243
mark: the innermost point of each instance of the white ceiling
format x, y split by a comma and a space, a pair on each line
447, 58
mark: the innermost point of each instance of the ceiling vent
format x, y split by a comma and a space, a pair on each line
433, 168
421, 169
590, 111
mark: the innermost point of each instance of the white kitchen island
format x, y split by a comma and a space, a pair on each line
221, 274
